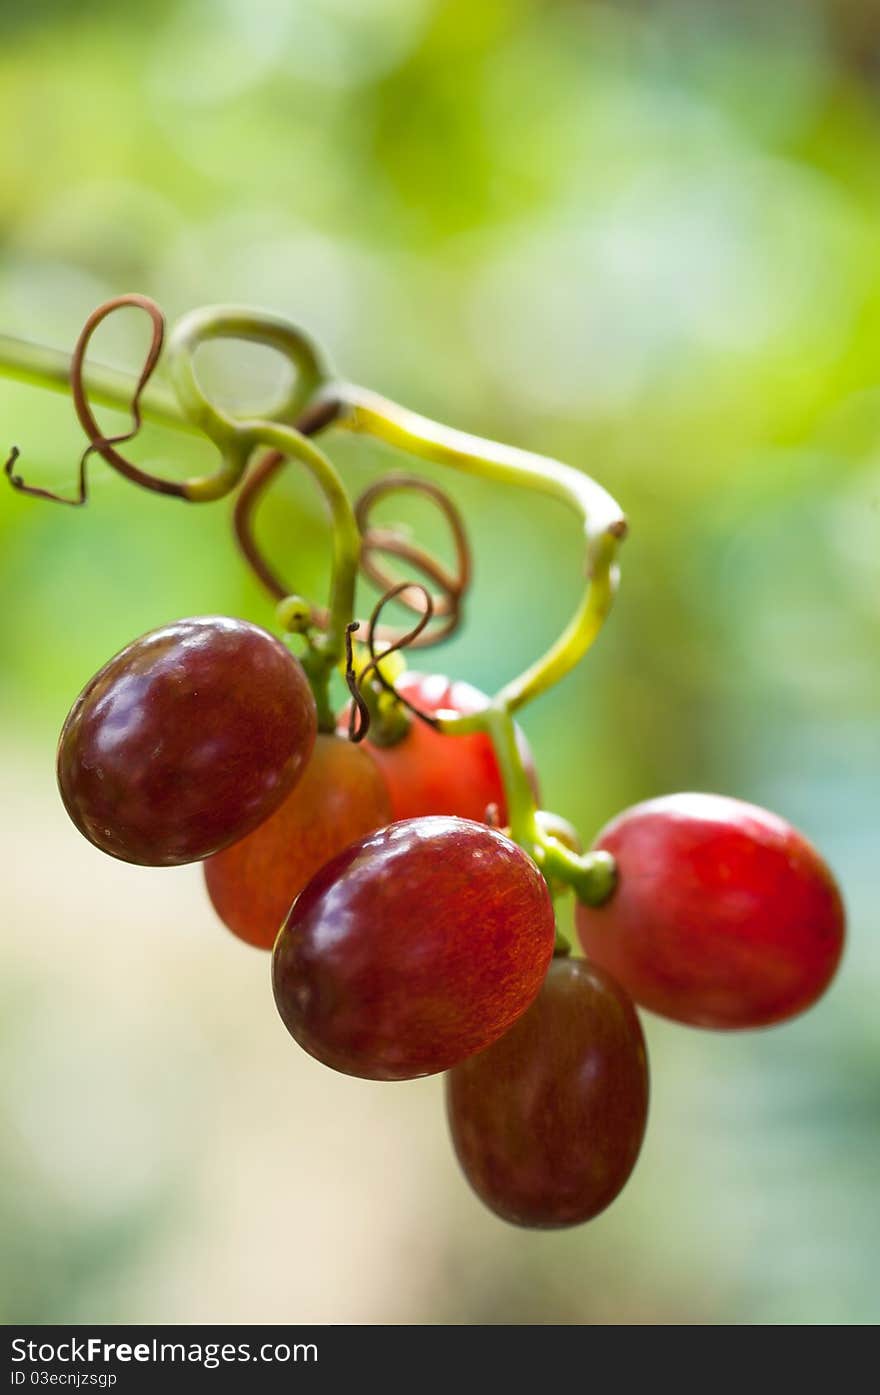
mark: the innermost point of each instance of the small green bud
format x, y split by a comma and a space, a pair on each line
294, 615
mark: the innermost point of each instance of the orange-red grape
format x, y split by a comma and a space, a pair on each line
340, 798
430, 772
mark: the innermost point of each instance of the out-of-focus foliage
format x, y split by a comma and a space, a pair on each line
643, 238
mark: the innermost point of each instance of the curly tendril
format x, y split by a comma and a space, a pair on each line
234, 439
451, 586
445, 604
359, 715
311, 401
407, 640
255, 482
99, 444
285, 432
103, 445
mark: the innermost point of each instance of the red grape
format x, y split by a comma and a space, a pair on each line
340, 798
548, 1121
426, 773
413, 948
185, 741
724, 915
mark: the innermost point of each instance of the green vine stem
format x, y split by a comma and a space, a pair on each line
40, 366
592, 875
236, 439
361, 411
603, 522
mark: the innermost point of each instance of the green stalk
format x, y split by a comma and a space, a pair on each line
187, 408
50, 368
236, 441
602, 520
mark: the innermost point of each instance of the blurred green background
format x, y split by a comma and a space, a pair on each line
642, 237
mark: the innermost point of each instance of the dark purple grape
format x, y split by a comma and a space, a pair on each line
548, 1121
413, 948
185, 741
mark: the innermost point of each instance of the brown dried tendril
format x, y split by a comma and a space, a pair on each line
99, 444
446, 603
451, 585
359, 716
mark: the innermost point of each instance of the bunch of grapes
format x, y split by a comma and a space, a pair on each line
409, 936
392, 856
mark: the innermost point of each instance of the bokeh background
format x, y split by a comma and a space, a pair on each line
642, 237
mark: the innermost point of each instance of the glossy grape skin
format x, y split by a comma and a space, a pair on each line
427, 774
724, 915
548, 1122
340, 798
413, 948
185, 741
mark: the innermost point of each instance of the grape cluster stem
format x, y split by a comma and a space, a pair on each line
314, 401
